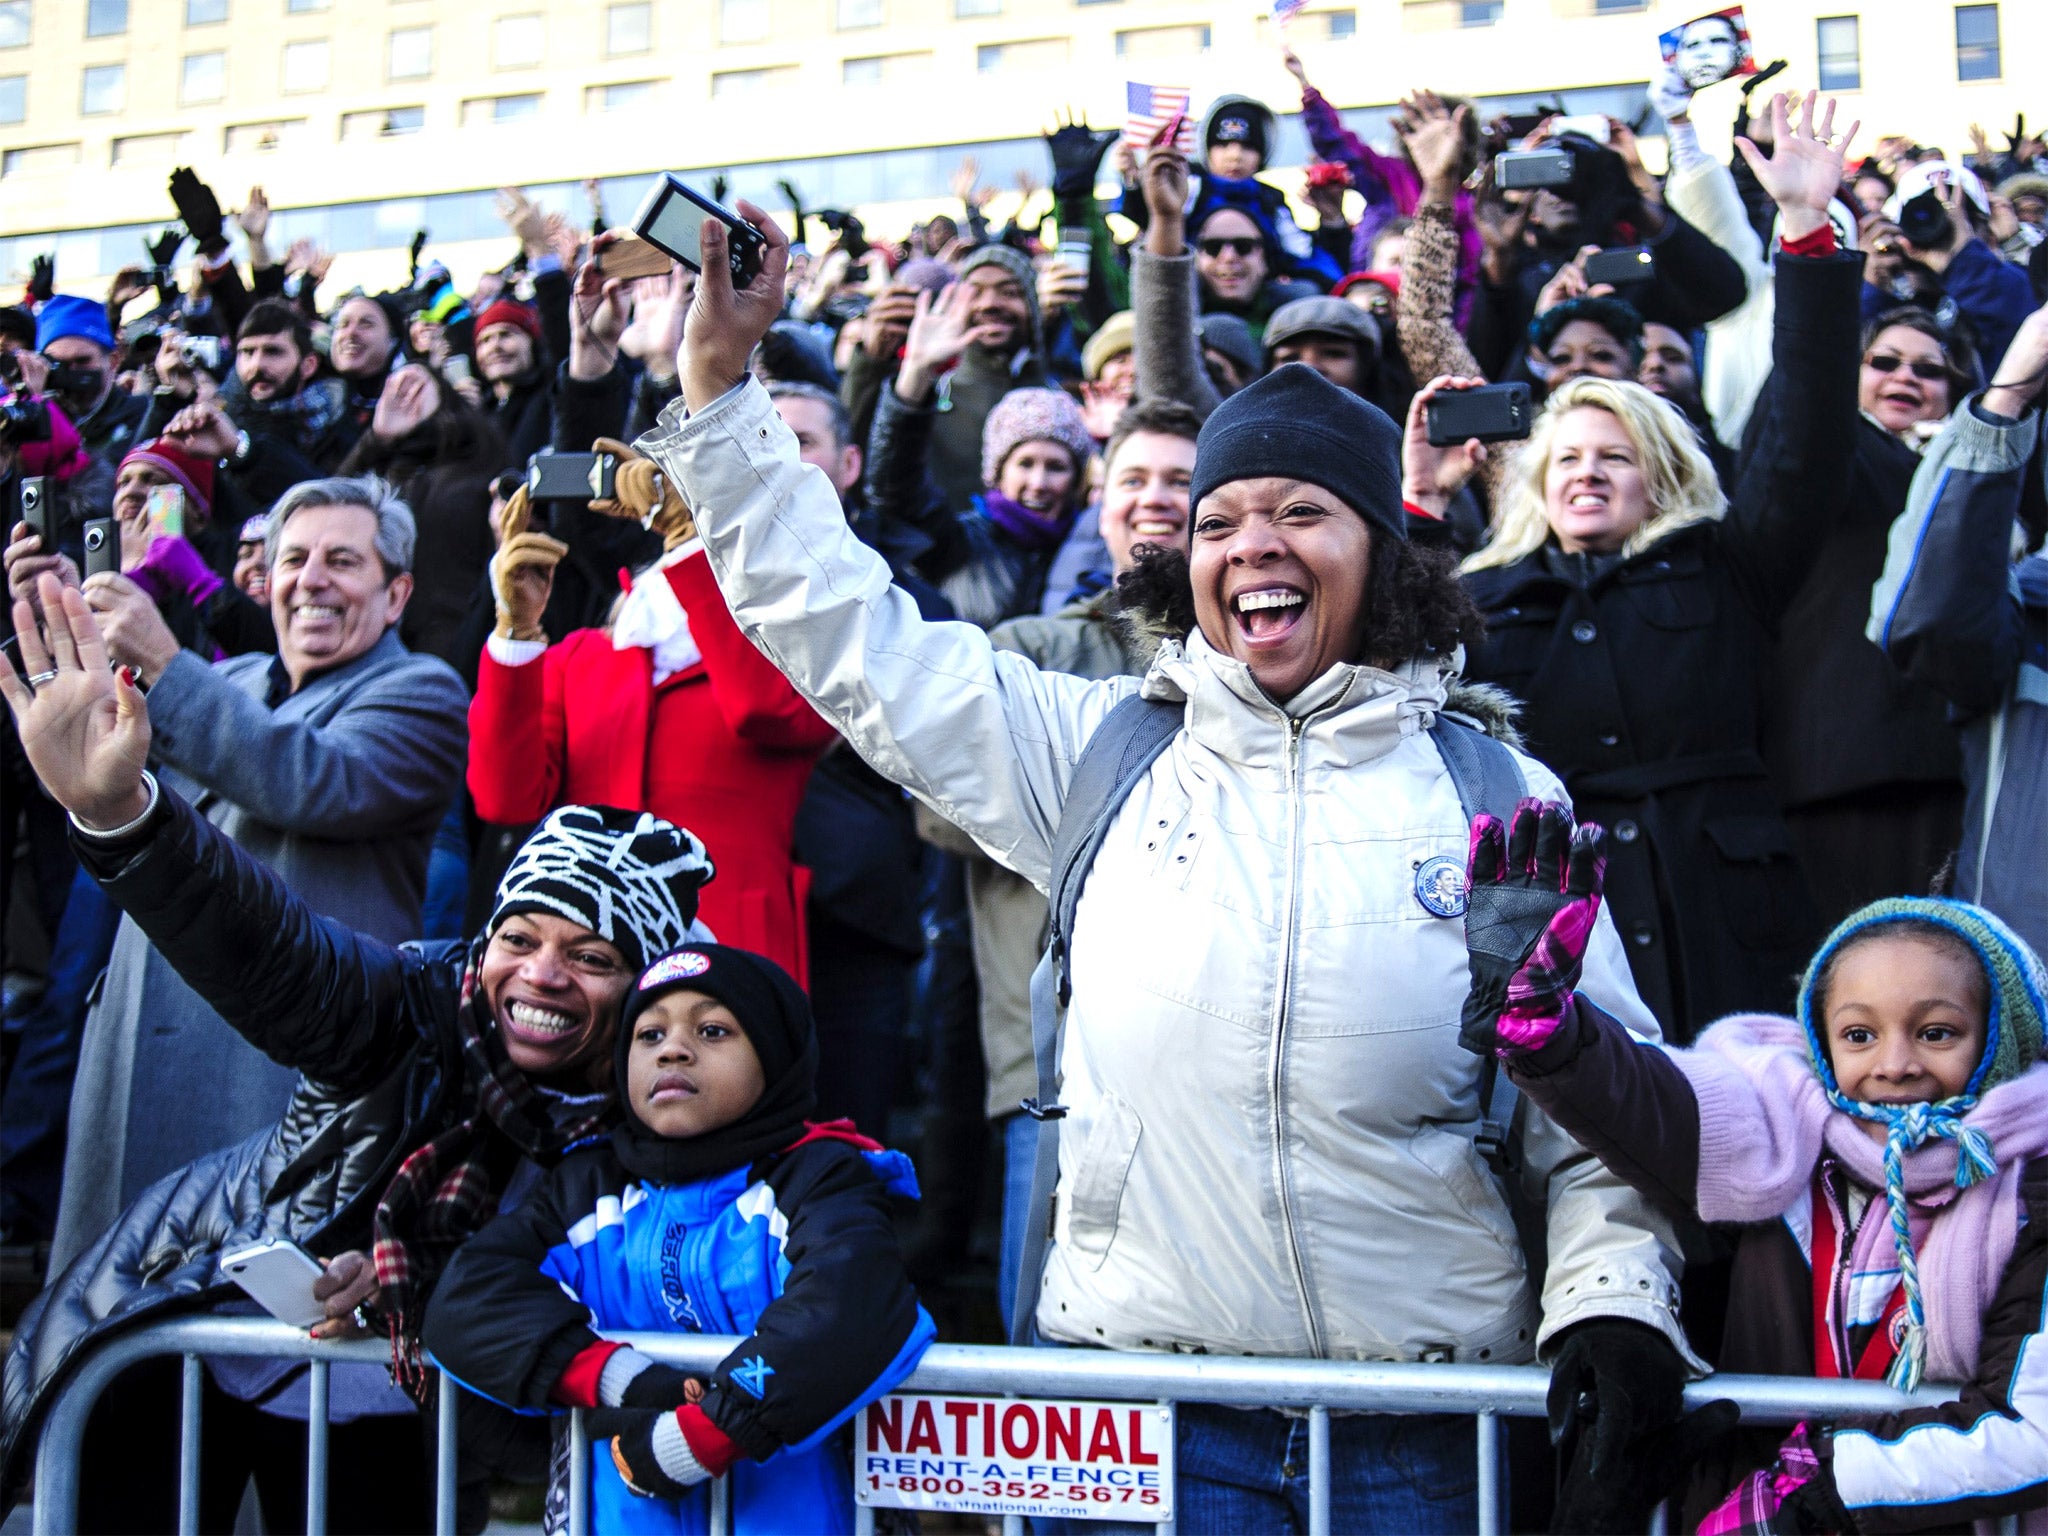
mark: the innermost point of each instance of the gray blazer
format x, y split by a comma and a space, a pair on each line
339, 787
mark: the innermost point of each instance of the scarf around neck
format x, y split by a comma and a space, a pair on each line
1033, 530
1765, 1121
446, 1190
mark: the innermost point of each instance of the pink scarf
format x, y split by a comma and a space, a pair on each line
1764, 1120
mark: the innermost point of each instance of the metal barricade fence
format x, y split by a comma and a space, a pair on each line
1318, 1387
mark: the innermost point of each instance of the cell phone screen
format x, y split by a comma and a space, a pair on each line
165, 509
673, 219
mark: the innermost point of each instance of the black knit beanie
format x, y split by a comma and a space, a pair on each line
1296, 424
628, 876
1238, 123
776, 1018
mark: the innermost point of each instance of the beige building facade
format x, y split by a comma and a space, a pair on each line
365, 120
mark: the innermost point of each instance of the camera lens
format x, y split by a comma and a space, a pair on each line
95, 538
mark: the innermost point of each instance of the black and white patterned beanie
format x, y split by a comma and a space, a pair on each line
628, 876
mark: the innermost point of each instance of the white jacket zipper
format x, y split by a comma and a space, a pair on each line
1279, 1050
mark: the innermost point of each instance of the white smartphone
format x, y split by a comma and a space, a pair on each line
280, 1275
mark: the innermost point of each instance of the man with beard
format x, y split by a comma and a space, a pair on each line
280, 421
1668, 370
74, 364
510, 357
993, 338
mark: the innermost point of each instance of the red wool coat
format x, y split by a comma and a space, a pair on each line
723, 747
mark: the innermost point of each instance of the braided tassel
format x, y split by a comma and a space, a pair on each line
1911, 1363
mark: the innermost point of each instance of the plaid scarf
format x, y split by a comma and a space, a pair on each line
446, 1190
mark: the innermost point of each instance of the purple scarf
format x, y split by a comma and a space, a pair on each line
1031, 529
1765, 1118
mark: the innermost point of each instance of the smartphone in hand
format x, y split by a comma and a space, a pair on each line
280, 1275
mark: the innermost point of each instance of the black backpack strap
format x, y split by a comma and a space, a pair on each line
1123, 748
1489, 780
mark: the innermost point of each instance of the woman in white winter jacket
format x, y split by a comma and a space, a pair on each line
1269, 1141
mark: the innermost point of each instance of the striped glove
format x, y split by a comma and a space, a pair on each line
1533, 893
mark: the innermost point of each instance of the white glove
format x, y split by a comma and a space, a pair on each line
1669, 93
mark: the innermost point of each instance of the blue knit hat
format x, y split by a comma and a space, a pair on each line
65, 314
2017, 986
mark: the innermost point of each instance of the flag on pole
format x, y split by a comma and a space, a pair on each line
1285, 11
1149, 108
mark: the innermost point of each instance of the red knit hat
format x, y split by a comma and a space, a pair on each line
509, 312
192, 472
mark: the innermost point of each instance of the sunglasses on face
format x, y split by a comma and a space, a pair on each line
1241, 246
1884, 362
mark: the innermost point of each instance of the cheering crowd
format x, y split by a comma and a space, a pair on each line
1277, 749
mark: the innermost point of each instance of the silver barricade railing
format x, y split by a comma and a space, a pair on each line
1486, 1393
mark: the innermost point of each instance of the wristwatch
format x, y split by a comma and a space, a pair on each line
241, 452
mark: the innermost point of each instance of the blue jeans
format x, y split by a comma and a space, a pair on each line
1020, 1159
447, 878
1246, 1469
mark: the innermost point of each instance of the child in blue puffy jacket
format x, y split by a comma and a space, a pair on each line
715, 1208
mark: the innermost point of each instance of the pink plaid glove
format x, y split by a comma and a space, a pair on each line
1534, 895
1753, 1506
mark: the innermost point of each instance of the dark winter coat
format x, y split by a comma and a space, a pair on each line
1636, 1110
1842, 719
443, 470
966, 396
1643, 677
372, 1028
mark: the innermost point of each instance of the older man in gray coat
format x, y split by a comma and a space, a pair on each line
333, 761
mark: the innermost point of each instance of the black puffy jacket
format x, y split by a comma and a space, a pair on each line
372, 1028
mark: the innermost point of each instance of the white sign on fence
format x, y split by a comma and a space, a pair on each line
1017, 1456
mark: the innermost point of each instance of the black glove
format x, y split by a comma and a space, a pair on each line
1616, 1399
631, 1433
412, 254
659, 1386
1076, 151
198, 208
42, 278
1815, 1508
1532, 894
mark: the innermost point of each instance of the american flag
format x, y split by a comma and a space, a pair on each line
1150, 108
1285, 11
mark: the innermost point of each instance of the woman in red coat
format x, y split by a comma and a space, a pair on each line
668, 710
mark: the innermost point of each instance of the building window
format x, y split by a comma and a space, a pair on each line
623, 97
500, 109
877, 69
383, 122
629, 28
13, 98
205, 78
105, 18
146, 149
1162, 42
1342, 24
13, 23
742, 21
855, 14
1977, 42
409, 54
857, 72
1618, 7
518, 42
1478, 13
1841, 53
1008, 58
261, 138
305, 67
205, 13
747, 82
38, 157
104, 87
964, 9
293, 7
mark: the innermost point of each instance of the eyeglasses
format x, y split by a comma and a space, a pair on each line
1885, 362
1240, 246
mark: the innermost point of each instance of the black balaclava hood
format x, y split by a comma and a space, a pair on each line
776, 1017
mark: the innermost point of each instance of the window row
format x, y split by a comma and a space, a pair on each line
105, 91
517, 42
1838, 43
